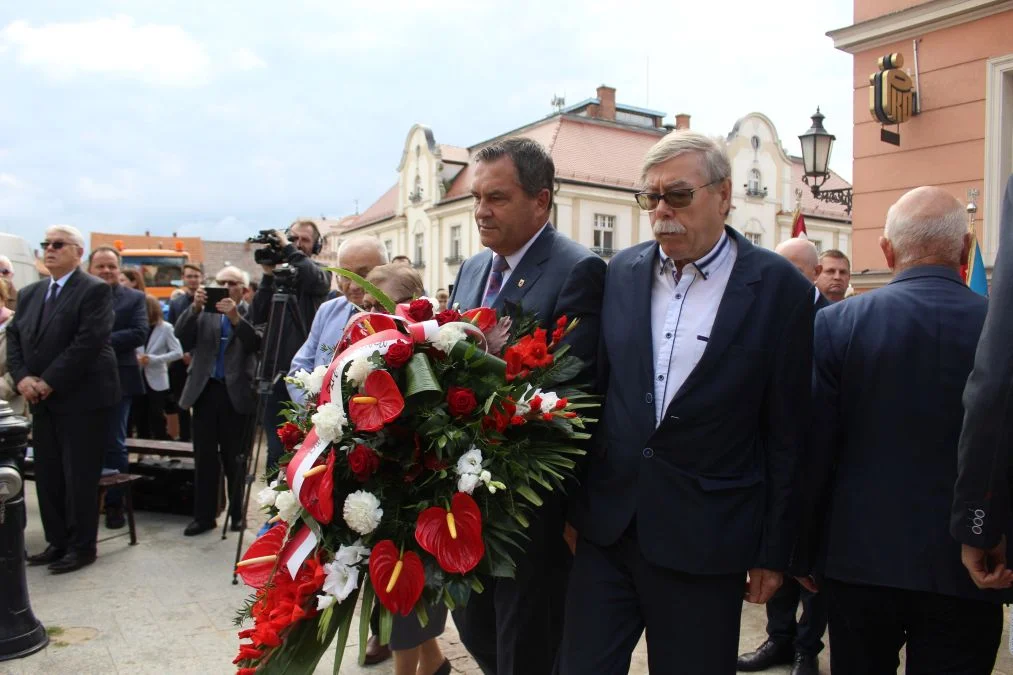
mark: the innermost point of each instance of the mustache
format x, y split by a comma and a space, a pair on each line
669, 226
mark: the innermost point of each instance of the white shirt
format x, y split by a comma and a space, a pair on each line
682, 315
513, 260
59, 285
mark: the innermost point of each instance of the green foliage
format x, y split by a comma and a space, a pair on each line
377, 294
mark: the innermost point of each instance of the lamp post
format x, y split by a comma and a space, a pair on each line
817, 143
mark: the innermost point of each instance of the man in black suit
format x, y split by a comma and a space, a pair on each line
130, 331
981, 517
192, 279
890, 366
514, 626
705, 362
59, 354
797, 642
219, 387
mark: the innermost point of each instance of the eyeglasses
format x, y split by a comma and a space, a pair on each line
55, 245
677, 199
377, 307
228, 282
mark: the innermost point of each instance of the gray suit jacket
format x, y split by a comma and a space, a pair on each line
981, 504
200, 334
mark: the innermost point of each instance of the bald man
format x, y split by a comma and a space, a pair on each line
890, 368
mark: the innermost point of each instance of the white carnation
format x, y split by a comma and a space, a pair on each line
312, 382
341, 580
328, 420
467, 483
470, 462
362, 511
287, 505
267, 496
448, 336
549, 401
359, 369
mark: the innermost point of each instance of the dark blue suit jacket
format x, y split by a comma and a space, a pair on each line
890, 368
130, 331
711, 488
178, 305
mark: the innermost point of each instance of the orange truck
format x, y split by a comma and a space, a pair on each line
159, 259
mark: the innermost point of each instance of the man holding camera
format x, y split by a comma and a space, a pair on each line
308, 286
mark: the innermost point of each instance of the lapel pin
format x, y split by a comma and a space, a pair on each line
520, 283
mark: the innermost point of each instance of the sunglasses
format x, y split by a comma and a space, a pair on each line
55, 245
677, 199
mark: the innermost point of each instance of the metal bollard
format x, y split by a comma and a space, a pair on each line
21, 633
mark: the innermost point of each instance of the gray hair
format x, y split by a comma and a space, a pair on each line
363, 240
926, 222
535, 169
715, 157
243, 276
5, 259
68, 231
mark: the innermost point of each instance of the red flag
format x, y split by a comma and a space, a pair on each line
798, 225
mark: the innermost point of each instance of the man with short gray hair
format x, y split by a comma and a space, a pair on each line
890, 368
705, 362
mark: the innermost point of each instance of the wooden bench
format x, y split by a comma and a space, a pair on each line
147, 446
121, 480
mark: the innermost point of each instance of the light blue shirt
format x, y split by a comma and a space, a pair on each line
318, 350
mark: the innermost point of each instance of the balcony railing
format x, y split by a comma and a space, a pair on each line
419, 264
755, 191
454, 259
603, 252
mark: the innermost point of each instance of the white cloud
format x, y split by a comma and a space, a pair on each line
157, 54
9, 181
120, 188
246, 59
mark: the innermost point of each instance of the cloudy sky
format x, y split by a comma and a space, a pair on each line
219, 118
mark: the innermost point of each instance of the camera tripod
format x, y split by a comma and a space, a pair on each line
269, 372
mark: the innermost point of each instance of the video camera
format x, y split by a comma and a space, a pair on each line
272, 254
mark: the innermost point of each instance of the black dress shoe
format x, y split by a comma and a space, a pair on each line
197, 527
114, 518
805, 665
73, 560
767, 655
50, 555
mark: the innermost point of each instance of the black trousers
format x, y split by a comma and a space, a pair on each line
69, 450
782, 626
148, 415
514, 626
692, 621
870, 624
219, 433
177, 379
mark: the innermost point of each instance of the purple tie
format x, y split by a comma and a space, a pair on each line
499, 266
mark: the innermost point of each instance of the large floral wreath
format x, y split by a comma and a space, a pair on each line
417, 460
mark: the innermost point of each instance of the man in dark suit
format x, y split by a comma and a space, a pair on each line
981, 517
514, 626
890, 366
705, 362
192, 279
797, 642
59, 354
130, 331
219, 387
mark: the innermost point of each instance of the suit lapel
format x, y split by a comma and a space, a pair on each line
477, 275
732, 311
528, 270
69, 287
642, 271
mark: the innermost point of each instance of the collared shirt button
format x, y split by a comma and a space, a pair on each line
668, 336
678, 296
648, 453
661, 378
649, 398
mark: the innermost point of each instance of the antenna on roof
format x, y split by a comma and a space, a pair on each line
558, 102
356, 206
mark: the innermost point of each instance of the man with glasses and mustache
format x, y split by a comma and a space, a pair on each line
705, 363
219, 388
59, 353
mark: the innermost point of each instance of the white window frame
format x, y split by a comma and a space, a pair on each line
455, 241
998, 157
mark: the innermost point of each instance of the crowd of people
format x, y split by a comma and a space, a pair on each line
765, 434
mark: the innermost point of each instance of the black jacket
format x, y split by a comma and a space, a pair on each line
130, 331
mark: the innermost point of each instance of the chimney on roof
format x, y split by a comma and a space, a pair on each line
147, 233
607, 103
682, 121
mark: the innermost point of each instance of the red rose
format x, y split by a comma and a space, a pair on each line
399, 354
461, 401
290, 435
363, 462
448, 316
420, 310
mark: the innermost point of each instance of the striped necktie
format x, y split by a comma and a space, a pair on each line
499, 266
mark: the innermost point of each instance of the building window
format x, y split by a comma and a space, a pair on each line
755, 238
389, 245
604, 226
818, 244
420, 240
753, 186
455, 246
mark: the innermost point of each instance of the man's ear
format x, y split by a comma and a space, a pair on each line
965, 248
818, 270
888, 252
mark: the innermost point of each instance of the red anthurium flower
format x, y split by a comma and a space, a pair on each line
483, 317
317, 493
453, 537
265, 551
397, 578
365, 325
379, 403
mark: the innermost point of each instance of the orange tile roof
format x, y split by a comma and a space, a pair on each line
452, 153
812, 206
381, 209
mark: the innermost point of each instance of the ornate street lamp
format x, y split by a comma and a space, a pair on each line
817, 143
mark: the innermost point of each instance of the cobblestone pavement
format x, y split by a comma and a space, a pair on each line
166, 606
